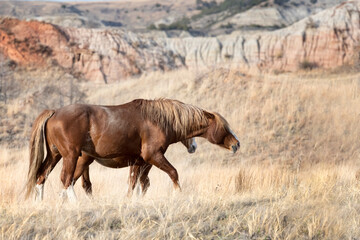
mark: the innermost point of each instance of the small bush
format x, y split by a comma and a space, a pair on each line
307, 65
152, 27
228, 56
232, 6
311, 24
182, 24
279, 54
280, 2
227, 26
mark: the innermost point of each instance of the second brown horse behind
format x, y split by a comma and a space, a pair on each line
138, 129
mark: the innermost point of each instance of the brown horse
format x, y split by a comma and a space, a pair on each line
139, 169
138, 129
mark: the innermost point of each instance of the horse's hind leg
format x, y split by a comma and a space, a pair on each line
133, 177
144, 178
46, 167
82, 169
67, 174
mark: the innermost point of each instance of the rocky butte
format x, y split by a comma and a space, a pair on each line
327, 39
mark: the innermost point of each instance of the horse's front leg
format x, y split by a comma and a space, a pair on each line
158, 159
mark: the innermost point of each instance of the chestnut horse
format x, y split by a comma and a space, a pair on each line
139, 169
138, 129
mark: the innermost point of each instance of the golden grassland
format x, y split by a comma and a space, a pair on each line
295, 177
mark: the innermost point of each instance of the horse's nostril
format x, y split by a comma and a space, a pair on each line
234, 148
192, 149
238, 144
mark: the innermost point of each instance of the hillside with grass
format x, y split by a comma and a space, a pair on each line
299, 150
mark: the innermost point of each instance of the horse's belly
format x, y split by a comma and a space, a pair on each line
114, 148
118, 162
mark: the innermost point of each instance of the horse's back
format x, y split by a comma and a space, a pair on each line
101, 131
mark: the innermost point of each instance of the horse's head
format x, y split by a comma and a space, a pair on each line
190, 144
219, 133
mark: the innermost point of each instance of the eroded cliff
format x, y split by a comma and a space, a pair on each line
328, 39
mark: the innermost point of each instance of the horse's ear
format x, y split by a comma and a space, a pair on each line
209, 115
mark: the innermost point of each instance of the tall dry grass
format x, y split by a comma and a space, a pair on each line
294, 177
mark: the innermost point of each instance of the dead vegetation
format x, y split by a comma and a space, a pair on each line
296, 176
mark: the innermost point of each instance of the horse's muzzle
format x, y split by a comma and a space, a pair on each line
235, 147
191, 149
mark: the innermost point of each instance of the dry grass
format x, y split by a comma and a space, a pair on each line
294, 178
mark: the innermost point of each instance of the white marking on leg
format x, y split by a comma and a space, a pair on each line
71, 194
138, 189
63, 195
39, 189
177, 188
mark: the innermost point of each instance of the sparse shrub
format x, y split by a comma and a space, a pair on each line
152, 27
136, 44
11, 64
311, 24
356, 56
72, 44
279, 54
182, 24
232, 6
43, 49
281, 2
228, 56
278, 71
307, 65
227, 26
204, 4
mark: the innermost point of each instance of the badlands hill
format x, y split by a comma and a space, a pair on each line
327, 39
44, 65
200, 17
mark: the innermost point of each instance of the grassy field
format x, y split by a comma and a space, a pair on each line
295, 177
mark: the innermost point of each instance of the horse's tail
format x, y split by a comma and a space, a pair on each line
37, 149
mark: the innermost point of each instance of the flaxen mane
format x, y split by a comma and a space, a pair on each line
173, 115
221, 123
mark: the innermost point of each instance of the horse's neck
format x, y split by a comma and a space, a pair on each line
197, 133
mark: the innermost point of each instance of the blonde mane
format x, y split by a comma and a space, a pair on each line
173, 115
221, 122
